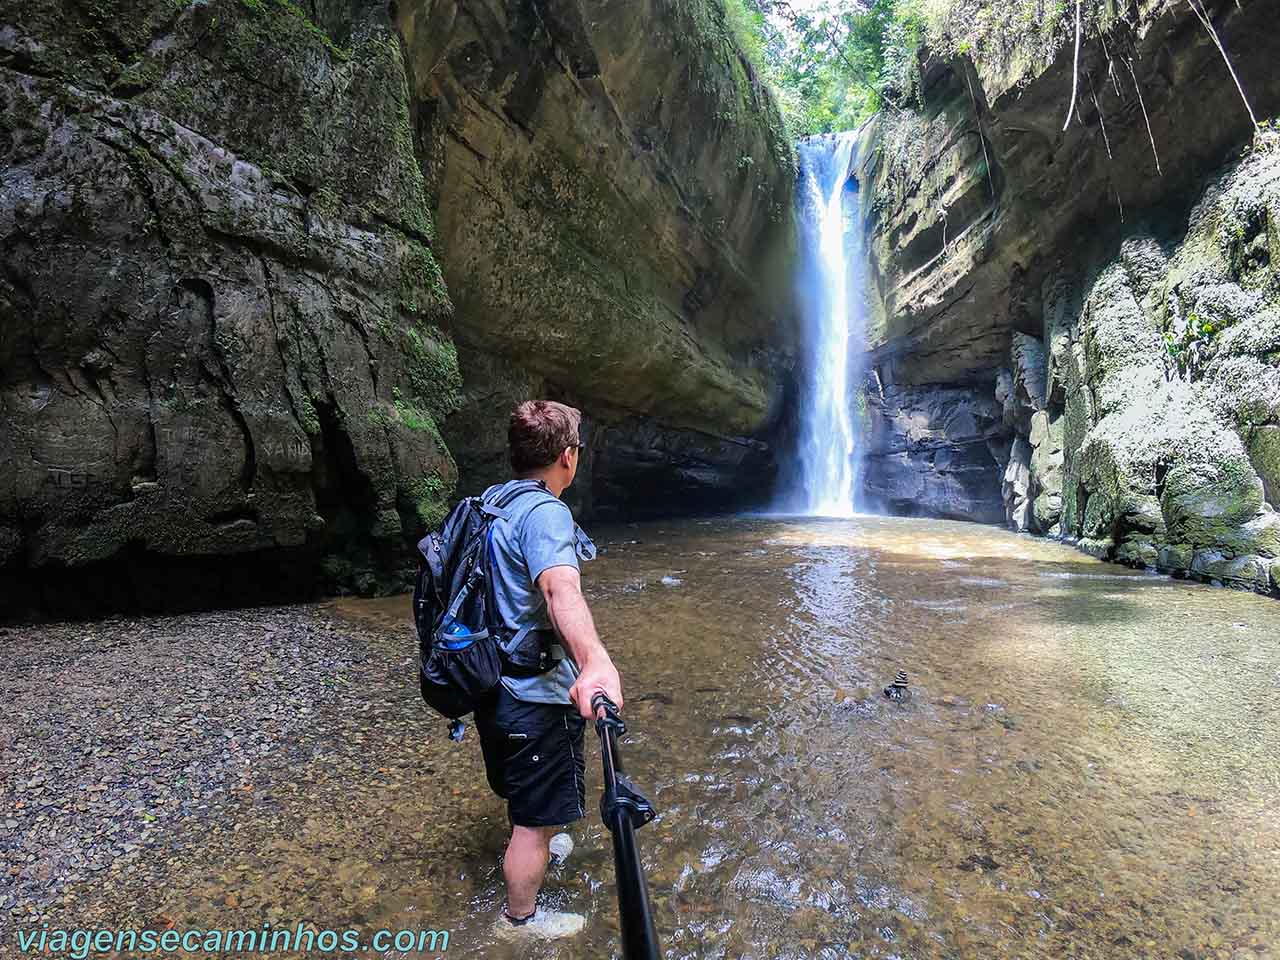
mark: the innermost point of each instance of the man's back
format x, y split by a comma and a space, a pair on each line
538, 533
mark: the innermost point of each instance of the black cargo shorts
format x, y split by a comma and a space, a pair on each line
534, 760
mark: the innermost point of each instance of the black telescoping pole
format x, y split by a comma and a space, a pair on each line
623, 809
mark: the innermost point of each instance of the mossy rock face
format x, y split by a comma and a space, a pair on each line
615, 218
1204, 503
1246, 573
984, 226
1102, 548
1264, 454
1163, 395
238, 271
228, 324
1175, 557
1137, 551
1260, 536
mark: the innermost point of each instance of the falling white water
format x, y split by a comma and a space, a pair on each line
832, 298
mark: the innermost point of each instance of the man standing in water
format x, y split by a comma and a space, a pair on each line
532, 732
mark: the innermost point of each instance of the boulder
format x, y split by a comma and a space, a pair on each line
1264, 454
1046, 469
1248, 572
1175, 557
1137, 550
1016, 488
1204, 502
1260, 536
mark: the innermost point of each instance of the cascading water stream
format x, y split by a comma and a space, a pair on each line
833, 303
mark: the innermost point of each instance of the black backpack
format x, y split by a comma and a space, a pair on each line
464, 645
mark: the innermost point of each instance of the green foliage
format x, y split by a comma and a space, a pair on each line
835, 63
415, 418
1188, 349
310, 419
1266, 139
1033, 31
746, 23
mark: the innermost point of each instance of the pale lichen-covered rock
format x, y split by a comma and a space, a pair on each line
1005, 397
1152, 283
1264, 454
1017, 485
1046, 470
1027, 354
1170, 402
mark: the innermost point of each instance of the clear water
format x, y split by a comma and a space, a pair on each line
832, 275
1087, 767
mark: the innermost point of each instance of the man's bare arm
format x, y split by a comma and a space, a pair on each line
562, 588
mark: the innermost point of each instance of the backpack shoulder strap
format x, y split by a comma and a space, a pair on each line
498, 506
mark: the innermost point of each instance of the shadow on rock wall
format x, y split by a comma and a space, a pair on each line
222, 327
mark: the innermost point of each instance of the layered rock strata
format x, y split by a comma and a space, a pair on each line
227, 349
1110, 286
614, 187
224, 330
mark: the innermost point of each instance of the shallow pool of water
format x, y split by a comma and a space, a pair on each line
1086, 768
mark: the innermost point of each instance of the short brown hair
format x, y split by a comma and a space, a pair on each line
539, 431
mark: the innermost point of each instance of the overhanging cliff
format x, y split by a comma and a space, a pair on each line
227, 350
1097, 302
614, 189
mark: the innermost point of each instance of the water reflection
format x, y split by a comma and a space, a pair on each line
1086, 766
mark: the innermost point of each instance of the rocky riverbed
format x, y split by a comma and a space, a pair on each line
1085, 766
139, 747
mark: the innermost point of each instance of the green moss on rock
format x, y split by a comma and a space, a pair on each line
432, 368
430, 500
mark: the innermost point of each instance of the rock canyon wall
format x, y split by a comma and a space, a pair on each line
245, 243
1076, 331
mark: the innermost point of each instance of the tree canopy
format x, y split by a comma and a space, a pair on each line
833, 63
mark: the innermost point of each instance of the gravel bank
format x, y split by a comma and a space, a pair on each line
218, 768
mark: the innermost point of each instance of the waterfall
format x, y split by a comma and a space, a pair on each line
833, 303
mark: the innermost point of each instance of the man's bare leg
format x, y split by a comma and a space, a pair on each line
524, 867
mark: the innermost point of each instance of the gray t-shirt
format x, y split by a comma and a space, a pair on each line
539, 534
